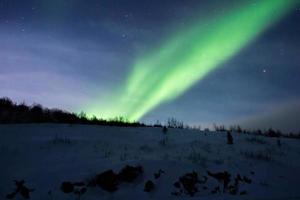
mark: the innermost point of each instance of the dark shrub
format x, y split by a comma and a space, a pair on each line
273, 133
21, 113
67, 187
130, 174
165, 130
259, 155
278, 142
107, 180
158, 174
221, 177
229, 138
189, 182
149, 186
21, 189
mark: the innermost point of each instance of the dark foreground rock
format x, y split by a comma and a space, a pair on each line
67, 187
107, 180
130, 174
149, 186
20, 189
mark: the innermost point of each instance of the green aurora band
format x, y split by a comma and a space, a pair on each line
189, 56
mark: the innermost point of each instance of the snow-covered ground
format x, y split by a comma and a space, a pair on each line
46, 155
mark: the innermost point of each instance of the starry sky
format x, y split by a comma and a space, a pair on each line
74, 54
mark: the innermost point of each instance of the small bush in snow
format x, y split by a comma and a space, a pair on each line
149, 186
129, 173
229, 138
20, 189
165, 130
256, 140
107, 153
265, 156
196, 157
159, 173
164, 142
278, 142
107, 180
123, 156
146, 148
61, 140
219, 162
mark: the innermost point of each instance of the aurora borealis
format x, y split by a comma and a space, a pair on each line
200, 61
190, 55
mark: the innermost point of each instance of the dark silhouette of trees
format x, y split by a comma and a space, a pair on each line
174, 123
11, 112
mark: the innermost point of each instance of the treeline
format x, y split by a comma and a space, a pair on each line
267, 132
11, 112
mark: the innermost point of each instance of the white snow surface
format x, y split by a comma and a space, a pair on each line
45, 155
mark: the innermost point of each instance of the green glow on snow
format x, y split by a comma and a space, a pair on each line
189, 56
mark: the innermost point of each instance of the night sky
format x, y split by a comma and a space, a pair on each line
140, 58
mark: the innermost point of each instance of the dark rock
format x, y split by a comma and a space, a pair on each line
216, 190
79, 184
107, 180
11, 195
77, 192
233, 189
149, 186
247, 180
221, 177
80, 191
203, 180
19, 184
176, 193
243, 193
158, 174
25, 192
177, 184
21, 189
239, 178
189, 182
83, 190
67, 187
129, 173
91, 183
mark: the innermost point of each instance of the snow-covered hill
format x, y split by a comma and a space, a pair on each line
46, 155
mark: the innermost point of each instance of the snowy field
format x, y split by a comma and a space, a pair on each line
46, 155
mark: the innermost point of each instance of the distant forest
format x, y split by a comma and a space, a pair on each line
11, 112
